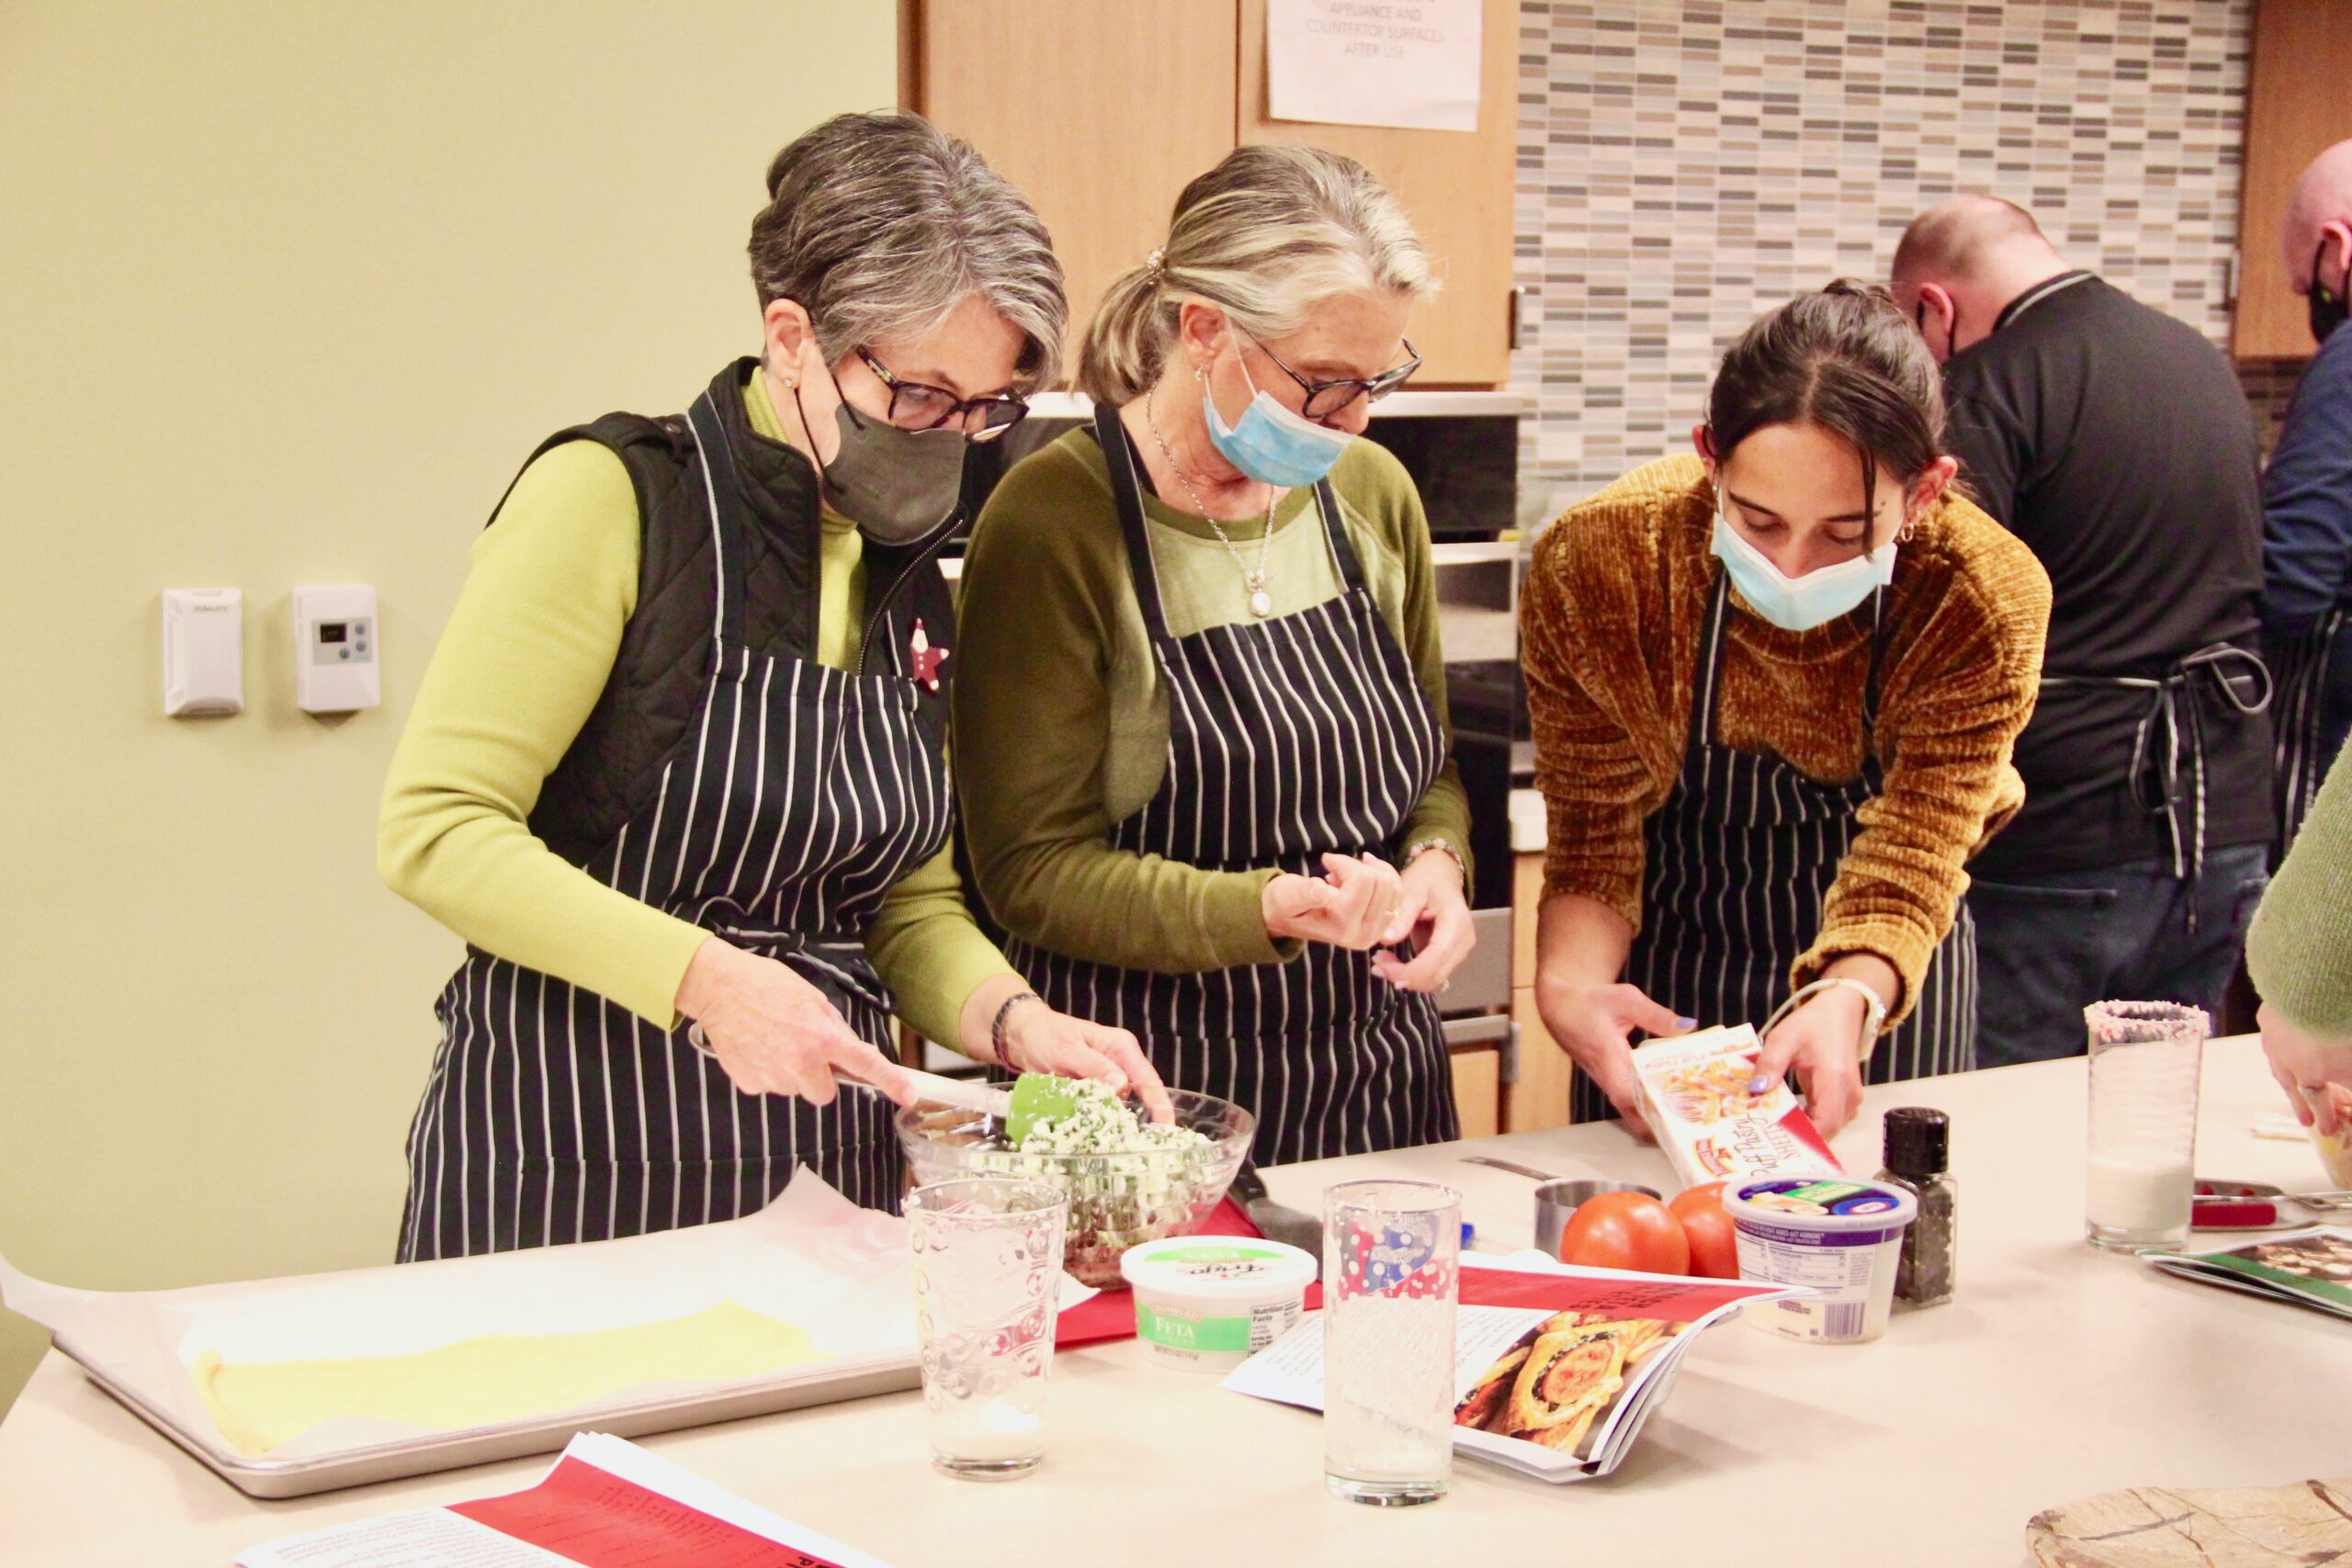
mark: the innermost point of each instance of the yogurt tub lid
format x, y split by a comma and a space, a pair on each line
1238, 1268
1820, 1203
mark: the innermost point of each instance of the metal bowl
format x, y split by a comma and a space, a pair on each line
1555, 1201
1116, 1201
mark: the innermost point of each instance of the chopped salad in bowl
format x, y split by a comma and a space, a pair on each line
1129, 1180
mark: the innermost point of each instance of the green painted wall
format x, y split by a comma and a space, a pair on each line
288, 292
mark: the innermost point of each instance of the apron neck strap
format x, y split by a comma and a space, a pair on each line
723, 498
1343, 549
1706, 674
1127, 491
1707, 681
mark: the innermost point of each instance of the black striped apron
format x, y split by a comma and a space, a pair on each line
801, 794
2302, 667
1739, 860
1287, 739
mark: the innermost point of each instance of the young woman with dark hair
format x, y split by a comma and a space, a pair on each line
1774, 688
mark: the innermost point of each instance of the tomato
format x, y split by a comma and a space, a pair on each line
1625, 1230
1707, 1227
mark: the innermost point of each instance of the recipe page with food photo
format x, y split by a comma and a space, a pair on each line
1556, 1367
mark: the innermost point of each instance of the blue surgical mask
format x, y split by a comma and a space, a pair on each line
1272, 443
1798, 604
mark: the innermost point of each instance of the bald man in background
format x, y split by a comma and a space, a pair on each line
2307, 495
2117, 443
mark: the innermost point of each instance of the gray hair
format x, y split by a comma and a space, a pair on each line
879, 225
1266, 236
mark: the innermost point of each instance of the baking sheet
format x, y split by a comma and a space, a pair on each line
812, 1258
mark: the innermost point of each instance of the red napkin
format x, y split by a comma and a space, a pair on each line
1112, 1314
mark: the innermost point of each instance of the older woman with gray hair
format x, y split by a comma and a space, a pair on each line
678, 770
1201, 727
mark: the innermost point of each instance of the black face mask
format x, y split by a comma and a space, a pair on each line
1951, 328
2328, 305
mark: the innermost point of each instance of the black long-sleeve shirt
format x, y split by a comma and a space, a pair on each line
2116, 441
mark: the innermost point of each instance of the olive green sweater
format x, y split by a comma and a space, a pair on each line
1061, 711
2300, 951
524, 657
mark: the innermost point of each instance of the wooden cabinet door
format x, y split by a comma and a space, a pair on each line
1478, 1091
1458, 187
2297, 106
1099, 110
1540, 1096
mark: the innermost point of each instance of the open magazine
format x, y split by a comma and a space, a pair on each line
2307, 1267
1556, 1367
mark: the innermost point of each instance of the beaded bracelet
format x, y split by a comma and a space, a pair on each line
996, 1029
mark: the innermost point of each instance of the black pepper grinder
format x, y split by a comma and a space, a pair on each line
1918, 1147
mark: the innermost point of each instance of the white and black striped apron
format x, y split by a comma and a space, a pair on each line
2301, 749
801, 794
1740, 857
1288, 738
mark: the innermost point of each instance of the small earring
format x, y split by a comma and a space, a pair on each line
1910, 527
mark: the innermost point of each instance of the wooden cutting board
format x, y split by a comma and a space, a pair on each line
2152, 1526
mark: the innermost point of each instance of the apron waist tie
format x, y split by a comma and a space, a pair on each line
2157, 788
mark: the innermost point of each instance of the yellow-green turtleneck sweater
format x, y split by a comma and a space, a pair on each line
525, 655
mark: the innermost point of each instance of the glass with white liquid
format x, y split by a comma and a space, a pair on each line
1392, 1252
987, 1275
2146, 1058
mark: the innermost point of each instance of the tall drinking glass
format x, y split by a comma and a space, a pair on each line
987, 1272
1391, 1256
2145, 1057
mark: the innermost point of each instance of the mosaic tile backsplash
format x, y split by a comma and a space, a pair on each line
1685, 164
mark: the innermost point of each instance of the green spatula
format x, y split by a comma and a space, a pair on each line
1038, 1097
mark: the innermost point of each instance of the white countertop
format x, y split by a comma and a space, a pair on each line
2059, 1372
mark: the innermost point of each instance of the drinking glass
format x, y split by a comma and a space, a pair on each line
1391, 1257
988, 1274
2145, 1057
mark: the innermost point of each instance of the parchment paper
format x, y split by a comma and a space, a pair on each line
810, 1258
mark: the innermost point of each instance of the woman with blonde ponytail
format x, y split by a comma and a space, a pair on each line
1201, 726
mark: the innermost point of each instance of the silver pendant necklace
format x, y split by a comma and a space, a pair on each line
1261, 603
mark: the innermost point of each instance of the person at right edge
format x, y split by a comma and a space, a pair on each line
2300, 956
2117, 444
2307, 499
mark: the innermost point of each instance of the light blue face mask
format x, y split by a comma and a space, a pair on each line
1272, 443
1798, 604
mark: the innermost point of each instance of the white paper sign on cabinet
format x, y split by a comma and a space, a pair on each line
1412, 63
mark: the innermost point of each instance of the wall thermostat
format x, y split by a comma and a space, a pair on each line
335, 649
204, 651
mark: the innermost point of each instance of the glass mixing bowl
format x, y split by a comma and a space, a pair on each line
1116, 1201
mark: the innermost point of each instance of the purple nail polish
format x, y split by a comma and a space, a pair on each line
1686, 1023
1759, 1084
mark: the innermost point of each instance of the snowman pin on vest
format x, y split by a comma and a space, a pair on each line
925, 659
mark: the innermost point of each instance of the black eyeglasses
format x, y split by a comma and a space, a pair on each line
914, 406
1324, 399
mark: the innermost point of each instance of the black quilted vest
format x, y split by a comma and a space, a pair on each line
613, 767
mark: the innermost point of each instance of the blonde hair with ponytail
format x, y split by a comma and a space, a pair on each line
1266, 236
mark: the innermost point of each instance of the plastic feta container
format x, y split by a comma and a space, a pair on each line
1841, 1239
1210, 1301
